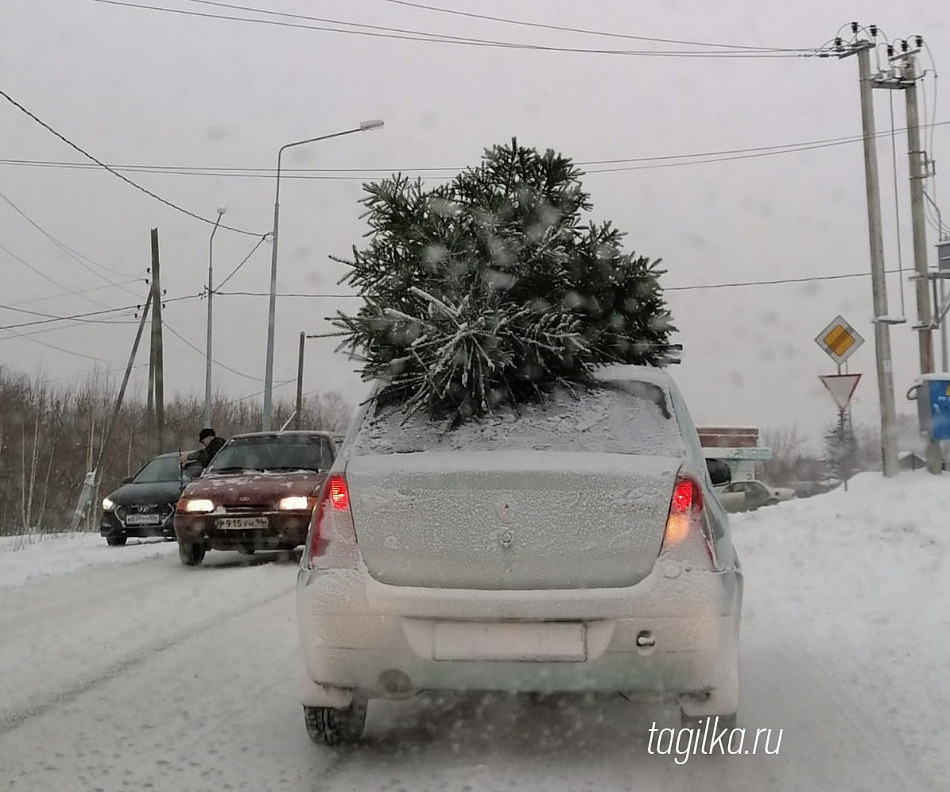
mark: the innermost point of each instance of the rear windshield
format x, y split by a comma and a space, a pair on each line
283, 452
619, 418
161, 469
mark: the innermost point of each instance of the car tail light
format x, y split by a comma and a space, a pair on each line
332, 540
687, 537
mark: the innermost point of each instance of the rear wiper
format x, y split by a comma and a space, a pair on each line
233, 469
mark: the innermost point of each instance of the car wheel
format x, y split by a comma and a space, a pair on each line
191, 554
116, 541
771, 502
331, 726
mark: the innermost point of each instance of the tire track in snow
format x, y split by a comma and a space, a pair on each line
14, 720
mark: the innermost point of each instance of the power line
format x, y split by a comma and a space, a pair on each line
83, 317
78, 257
246, 258
116, 173
657, 161
71, 292
58, 348
42, 274
438, 38
188, 343
776, 282
588, 31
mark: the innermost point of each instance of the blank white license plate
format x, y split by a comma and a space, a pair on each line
241, 523
537, 642
142, 519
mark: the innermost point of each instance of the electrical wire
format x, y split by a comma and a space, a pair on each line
587, 31
238, 267
433, 38
71, 293
28, 337
82, 318
201, 352
43, 275
114, 172
657, 161
77, 257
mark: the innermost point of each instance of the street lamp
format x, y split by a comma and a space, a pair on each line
364, 126
221, 210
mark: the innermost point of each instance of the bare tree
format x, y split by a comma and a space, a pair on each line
787, 446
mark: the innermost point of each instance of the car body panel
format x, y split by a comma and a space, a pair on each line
145, 508
246, 513
427, 602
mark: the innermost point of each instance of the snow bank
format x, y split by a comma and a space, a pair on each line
864, 576
37, 555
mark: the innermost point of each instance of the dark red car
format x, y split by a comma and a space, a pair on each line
258, 493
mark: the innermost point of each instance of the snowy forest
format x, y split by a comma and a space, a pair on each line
51, 435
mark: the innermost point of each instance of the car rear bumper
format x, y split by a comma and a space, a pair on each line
671, 635
284, 530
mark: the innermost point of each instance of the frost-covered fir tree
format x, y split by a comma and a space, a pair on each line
492, 289
841, 452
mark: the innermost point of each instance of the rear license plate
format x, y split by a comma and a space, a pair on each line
143, 519
241, 523
537, 642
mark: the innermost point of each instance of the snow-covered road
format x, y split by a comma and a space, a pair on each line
154, 676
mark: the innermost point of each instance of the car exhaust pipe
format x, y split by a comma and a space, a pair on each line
395, 684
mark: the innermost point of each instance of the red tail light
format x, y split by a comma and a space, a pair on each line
339, 496
332, 541
686, 524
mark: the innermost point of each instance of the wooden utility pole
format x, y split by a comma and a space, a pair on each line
91, 482
157, 367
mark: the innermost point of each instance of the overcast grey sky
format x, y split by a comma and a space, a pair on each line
150, 88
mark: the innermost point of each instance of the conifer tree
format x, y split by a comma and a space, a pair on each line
492, 290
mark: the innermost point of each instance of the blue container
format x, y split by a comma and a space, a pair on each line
938, 394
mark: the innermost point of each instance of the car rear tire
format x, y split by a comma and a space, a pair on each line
191, 554
116, 541
329, 726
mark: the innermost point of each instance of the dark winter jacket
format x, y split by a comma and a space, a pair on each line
205, 455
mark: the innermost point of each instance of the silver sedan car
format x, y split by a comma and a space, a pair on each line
574, 546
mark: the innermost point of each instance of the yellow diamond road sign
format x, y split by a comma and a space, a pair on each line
840, 340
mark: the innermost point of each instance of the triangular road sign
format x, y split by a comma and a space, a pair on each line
841, 387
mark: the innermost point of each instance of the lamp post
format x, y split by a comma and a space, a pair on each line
364, 126
221, 210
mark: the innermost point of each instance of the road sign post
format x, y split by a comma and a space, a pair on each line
842, 387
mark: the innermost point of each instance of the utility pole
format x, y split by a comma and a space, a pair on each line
91, 482
303, 341
918, 174
882, 331
158, 428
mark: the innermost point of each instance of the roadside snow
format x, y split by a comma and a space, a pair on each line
38, 555
865, 575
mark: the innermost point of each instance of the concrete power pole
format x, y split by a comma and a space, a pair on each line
882, 331
918, 174
158, 362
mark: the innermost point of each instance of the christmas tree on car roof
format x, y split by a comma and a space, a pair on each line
491, 291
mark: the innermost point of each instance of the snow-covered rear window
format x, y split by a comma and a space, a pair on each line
621, 418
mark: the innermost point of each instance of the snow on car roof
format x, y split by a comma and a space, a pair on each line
632, 415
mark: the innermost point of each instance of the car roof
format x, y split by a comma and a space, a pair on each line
289, 433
